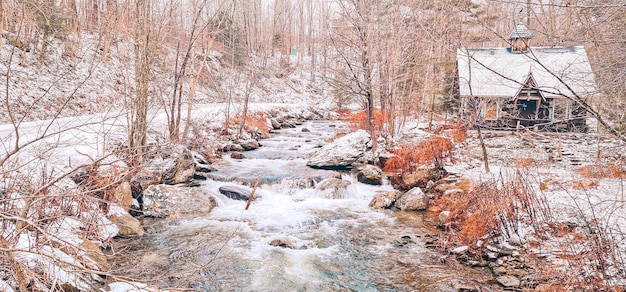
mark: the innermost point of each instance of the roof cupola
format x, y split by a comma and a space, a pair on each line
519, 38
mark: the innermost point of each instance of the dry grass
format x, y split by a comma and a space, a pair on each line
358, 120
430, 152
255, 122
607, 170
492, 209
457, 130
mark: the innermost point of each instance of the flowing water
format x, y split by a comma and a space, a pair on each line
291, 238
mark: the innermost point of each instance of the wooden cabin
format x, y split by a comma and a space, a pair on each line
520, 85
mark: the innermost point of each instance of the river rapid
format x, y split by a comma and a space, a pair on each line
292, 238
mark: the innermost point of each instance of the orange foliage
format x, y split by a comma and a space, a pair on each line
603, 171
584, 184
429, 152
488, 209
456, 129
358, 120
524, 162
254, 121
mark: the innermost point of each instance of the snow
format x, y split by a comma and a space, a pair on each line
130, 287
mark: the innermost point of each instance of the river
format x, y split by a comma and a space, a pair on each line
292, 238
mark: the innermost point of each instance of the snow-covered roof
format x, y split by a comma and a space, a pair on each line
497, 72
520, 32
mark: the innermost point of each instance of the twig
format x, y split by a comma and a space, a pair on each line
258, 179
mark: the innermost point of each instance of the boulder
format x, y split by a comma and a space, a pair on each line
143, 179
333, 188
281, 242
164, 200
179, 167
508, 281
275, 124
237, 155
93, 257
250, 144
384, 201
126, 224
236, 147
123, 195
236, 192
413, 200
419, 178
370, 175
342, 153
305, 130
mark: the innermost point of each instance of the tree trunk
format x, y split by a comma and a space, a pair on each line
139, 127
484, 148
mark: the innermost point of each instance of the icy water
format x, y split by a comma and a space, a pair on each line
291, 238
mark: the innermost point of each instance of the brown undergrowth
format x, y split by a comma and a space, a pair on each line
255, 122
583, 257
358, 120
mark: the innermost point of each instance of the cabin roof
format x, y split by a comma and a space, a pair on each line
499, 73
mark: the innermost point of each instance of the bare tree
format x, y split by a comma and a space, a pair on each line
139, 119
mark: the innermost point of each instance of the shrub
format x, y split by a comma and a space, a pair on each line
430, 152
358, 120
608, 170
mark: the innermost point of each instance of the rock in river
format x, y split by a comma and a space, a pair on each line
370, 175
236, 192
413, 200
342, 153
165, 200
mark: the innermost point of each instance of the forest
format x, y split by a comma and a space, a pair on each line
95, 92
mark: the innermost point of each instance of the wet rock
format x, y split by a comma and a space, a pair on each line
202, 166
413, 200
250, 144
237, 155
371, 175
236, 192
236, 147
280, 242
508, 281
165, 200
341, 153
333, 188
305, 130
384, 201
